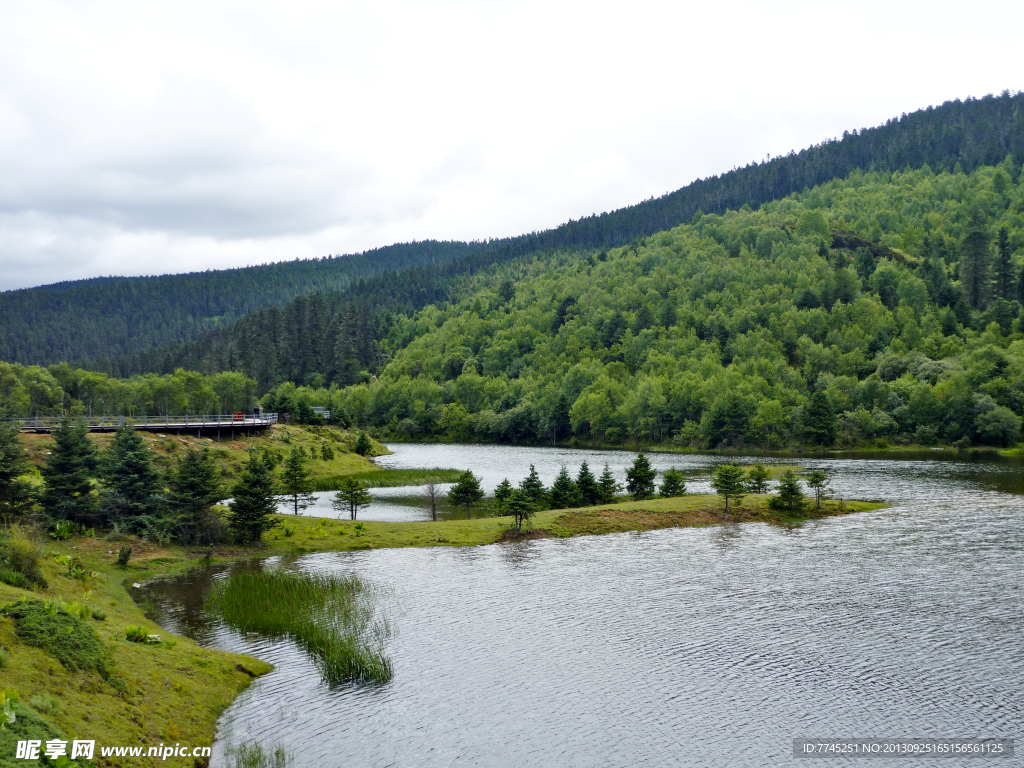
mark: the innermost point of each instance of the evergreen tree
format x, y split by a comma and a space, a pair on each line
757, 478
820, 420
534, 489
818, 482
194, 490
363, 445
466, 492
640, 478
564, 493
672, 483
1004, 282
254, 503
351, 497
668, 316
502, 493
609, 488
295, 483
520, 506
133, 487
974, 258
789, 497
590, 490
68, 493
561, 426
728, 483
15, 494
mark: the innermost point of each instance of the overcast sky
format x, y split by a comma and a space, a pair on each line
144, 138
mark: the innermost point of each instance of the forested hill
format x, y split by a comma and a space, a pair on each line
878, 309
122, 315
109, 318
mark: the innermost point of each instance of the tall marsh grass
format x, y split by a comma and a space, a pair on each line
334, 618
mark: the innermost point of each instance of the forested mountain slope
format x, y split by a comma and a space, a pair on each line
105, 316
879, 307
114, 317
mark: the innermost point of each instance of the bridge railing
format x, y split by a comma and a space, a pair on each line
150, 422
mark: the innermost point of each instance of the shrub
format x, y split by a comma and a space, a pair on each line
99, 614
14, 578
46, 625
136, 634
123, 555
19, 555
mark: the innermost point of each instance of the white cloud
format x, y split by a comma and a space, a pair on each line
139, 138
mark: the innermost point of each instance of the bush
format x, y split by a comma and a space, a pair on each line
14, 578
48, 626
19, 555
123, 555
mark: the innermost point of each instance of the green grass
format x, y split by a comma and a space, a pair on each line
389, 478
72, 642
332, 617
28, 725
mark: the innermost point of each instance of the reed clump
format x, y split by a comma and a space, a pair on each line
334, 618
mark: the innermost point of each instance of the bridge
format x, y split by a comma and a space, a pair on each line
200, 424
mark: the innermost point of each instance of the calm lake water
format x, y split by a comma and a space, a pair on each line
704, 647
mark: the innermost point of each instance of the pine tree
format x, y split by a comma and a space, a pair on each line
820, 420
757, 478
351, 497
590, 490
466, 492
672, 483
534, 489
363, 445
640, 478
728, 483
1004, 267
561, 426
502, 493
609, 488
295, 481
520, 507
974, 259
133, 487
254, 505
789, 497
15, 494
194, 490
818, 481
68, 493
564, 493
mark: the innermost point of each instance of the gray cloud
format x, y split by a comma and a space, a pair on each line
140, 139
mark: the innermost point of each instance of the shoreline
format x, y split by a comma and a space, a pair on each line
176, 690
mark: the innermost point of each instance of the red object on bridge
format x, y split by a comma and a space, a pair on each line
239, 416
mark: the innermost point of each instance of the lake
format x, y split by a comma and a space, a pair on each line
693, 646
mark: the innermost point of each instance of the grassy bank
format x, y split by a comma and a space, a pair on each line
173, 691
231, 455
170, 691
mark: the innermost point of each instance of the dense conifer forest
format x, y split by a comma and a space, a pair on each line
117, 322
